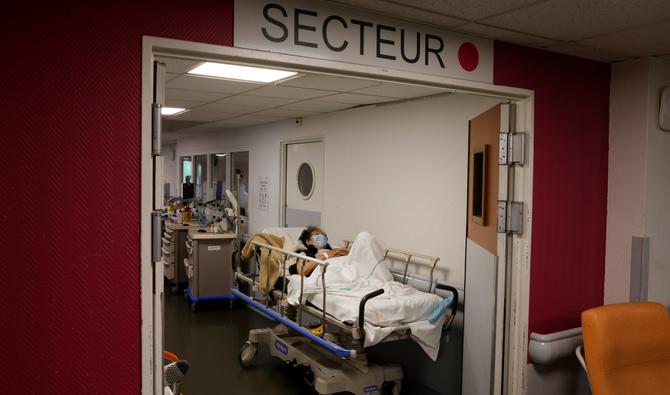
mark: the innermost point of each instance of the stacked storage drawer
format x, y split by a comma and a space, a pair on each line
168, 254
173, 254
188, 261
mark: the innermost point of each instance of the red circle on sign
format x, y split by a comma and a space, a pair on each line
468, 56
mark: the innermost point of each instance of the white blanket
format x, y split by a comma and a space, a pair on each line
351, 277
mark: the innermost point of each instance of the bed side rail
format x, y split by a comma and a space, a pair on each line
454, 303
361, 310
324, 268
322, 264
408, 257
334, 348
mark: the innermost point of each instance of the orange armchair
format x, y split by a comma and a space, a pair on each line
627, 348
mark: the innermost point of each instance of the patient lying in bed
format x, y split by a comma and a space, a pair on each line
363, 270
316, 243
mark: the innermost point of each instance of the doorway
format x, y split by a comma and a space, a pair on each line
163, 47
303, 183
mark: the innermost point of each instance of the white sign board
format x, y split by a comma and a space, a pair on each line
263, 194
322, 30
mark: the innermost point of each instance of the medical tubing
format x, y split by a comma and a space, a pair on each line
454, 303
361, 308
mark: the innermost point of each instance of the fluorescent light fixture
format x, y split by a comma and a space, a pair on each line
241, 73
171, 110
221, 155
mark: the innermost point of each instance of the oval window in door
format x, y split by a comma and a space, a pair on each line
306, 180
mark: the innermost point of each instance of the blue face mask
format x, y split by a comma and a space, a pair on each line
320, 240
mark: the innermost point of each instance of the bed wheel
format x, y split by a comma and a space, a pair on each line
391, 387
308, 377
248, 353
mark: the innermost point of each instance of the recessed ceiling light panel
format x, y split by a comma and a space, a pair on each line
240, 73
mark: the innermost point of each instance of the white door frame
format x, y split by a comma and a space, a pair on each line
154, 46
282, 172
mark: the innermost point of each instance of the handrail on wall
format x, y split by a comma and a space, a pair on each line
550, 347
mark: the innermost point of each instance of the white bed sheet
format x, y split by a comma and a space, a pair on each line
350, 278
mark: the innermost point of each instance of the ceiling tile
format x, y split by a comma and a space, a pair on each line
408, 12
571, 20
399, 91
257, 118
286, 113
474, 9
588, 52
317, 106
211, 84
227, 123
461, 9
178, 66
169, 102
495, 33
256, 101
172, 125
203, 115
196, 96
645, 41
290, 92
353, 98
329, 82
228, 107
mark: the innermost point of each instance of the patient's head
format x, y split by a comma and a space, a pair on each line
314, 236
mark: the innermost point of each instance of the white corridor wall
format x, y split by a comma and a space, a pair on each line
639, 186
398, 170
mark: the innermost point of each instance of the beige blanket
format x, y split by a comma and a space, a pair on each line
270, 261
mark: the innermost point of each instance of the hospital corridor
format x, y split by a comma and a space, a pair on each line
212, 339
336, 197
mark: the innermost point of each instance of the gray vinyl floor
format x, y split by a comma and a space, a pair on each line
211, 339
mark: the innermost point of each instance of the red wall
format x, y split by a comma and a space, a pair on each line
70, 153
569, 180
71, 161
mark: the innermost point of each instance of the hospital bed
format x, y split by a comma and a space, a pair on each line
333, 357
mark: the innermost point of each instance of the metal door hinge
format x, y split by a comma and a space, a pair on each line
156, 128
512, 149
156, 236
510, 217
156, 107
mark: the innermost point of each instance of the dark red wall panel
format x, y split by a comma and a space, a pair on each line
70, 98
569, 180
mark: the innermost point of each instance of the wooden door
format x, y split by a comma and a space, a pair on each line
483, 179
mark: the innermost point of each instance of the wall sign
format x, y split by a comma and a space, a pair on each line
321, 30
263, 194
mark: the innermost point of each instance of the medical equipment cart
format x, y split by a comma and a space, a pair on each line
209, 266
